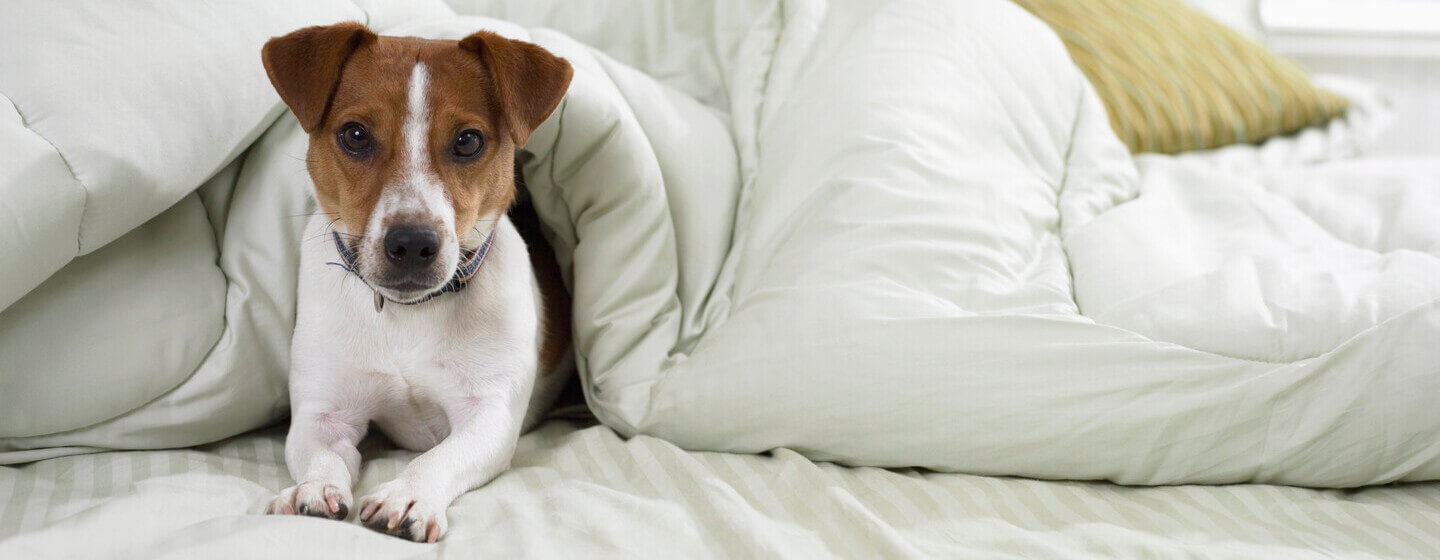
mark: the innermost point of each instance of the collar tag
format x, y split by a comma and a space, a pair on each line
379, 301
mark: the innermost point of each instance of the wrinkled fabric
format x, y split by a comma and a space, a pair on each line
942, 257
878, 233
581, 491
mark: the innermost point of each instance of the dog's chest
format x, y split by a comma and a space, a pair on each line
418, 365
412, 410
415, 383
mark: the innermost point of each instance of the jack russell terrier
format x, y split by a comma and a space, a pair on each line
412, 146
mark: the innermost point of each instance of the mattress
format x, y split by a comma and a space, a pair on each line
579, 490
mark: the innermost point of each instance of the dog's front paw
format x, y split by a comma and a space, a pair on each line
395, 509
315, 499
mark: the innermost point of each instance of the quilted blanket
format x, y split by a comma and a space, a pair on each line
891, 233
941, 256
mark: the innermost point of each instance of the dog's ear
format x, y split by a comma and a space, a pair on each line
304, 66
531, 81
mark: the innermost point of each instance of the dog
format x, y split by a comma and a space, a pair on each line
421, 307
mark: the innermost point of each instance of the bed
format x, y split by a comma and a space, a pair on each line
580, 491
1008, 389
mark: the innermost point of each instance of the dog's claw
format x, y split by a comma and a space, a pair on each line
376, 525
336, 502
394, 510
310, 499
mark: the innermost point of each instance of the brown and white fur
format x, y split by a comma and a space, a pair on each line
459, 376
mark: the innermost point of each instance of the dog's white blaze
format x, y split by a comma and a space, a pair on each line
417, 193
417, 125
427, 194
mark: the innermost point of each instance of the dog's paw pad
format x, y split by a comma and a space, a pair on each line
312, 499
394, 509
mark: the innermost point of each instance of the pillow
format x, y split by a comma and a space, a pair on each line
1175, 80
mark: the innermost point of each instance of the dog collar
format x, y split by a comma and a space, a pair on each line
462, 276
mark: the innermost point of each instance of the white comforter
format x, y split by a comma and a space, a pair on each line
941, 256
884, 233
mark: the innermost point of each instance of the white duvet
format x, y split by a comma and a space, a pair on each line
942, 257
883, 233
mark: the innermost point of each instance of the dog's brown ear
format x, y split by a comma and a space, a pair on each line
304, 66
531, 81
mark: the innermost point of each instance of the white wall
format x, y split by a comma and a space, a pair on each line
1393, 43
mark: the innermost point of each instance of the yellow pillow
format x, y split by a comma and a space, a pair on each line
1175, 80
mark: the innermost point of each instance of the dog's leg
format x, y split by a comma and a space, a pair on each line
477, 450
321, 453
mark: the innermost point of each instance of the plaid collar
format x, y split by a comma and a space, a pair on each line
463, 273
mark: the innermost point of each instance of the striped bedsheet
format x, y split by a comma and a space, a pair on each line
578, 490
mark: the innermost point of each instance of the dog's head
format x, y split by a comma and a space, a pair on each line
412, 141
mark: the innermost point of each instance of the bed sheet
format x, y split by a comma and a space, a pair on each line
577, 490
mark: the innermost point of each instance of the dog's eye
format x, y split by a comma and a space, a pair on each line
354, 138
468, 144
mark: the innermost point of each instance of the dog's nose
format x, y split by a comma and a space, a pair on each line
411, 246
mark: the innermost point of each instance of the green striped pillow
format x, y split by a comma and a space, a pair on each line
1175, 80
